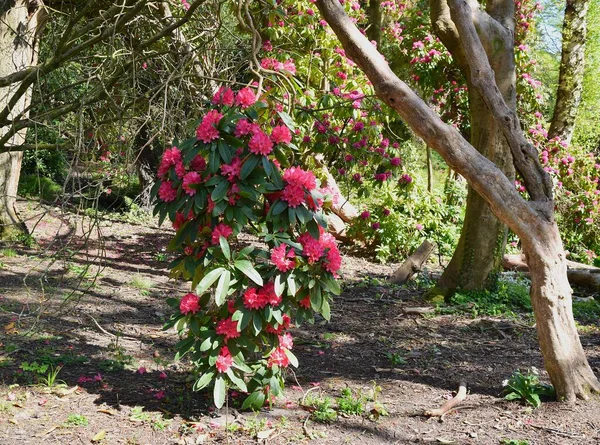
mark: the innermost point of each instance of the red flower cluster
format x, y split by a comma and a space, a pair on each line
189, 303
227, 328
298, 183
325, 246
207, 131
220, 230
258, 299
282, 260
224, 360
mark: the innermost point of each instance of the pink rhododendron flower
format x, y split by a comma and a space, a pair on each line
180, 170
305, 302
290, 66
190, 179
224, 96
245, 98
227, 328
282, 327
278, 358
282, 260
198, 164
141, 370
189, 303
281, 135
206, 131
167, 191
286, 341
224, 360
232, 171
159, 395
253, 300
293, 195
171, 156
220, 230
311, 248
98, 377
245, 127
267, 294
162, 375
260, 144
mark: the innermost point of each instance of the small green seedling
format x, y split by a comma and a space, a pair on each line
527, 387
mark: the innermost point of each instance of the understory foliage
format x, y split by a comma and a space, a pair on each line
250, 238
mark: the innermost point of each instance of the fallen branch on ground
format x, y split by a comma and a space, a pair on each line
413, 263
458, 398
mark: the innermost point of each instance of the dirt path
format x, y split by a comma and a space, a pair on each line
116, 359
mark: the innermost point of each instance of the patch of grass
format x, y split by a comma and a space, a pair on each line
395, 358
514, 442
6, 407
8, 253
39, 186
322, 408
76, 420
509, 299
351, 405
141, 283
587, 312
138, 414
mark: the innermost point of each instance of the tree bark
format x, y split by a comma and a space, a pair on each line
533, 221
478, 255
572, 64
413, 263
19, 30
375, 21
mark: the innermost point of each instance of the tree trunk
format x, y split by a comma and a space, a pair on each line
563, 354
147, 162
533, 221
19, 22
375, 21
478, 255
570, 82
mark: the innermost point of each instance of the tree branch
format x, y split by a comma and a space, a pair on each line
537, 180
487, 180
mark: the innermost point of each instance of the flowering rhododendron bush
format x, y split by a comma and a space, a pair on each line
249, 237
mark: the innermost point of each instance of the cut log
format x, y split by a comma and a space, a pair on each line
579, 274
413, 264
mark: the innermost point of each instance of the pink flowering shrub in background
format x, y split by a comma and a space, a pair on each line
249, 237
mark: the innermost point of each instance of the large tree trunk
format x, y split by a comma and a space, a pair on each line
533, 221
570, 82
478, 255
551, 294
19, 21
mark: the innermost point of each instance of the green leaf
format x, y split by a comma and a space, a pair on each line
326, 310
249, 166
291, 357
206, 344
225, 247
316, 299
237, 380
244, 320
220, 191
247, 269
512, 396
278, 208
222, 287
257, 323
224, 151
291, 282
313, 229
203, 381
255, 400
208, 280
287, 120
279, 286
219, 391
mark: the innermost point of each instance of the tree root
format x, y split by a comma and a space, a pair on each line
458, 398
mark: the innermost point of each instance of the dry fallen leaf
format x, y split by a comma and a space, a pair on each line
265, 433
99, 436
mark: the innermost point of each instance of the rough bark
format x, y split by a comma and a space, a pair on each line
19, 29
478, 254
533, 221
572, 64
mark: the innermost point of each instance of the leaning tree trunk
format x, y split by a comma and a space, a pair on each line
478, 254
533, 221
564, 358
19, 26
570, 82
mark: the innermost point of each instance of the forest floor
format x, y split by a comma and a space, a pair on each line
98, 312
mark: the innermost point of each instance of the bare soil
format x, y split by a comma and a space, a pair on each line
99, 309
